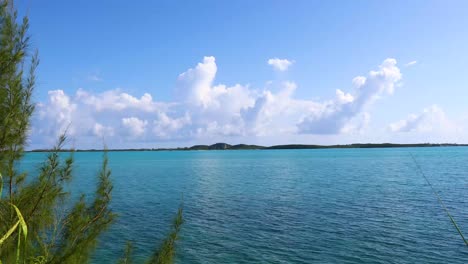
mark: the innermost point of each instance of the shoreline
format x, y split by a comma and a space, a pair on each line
224, 146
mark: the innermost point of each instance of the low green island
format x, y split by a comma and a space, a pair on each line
225, 146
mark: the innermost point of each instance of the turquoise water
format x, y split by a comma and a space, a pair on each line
285, 206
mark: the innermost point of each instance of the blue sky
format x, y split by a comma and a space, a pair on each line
142, 47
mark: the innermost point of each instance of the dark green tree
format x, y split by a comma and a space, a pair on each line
37, 223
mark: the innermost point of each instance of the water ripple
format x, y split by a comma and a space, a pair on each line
288, 206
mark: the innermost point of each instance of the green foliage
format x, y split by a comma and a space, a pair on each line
85, 223
1, 186
21, 223
16, 91
37, 223
165, 253
127, 256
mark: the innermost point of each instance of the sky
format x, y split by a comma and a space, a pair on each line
177, 73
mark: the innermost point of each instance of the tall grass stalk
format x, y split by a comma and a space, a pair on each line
439, 199
22, 232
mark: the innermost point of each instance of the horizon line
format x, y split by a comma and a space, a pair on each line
242, 146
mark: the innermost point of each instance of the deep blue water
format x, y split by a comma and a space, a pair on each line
285, 206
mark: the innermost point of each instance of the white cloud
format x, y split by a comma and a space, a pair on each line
114, 100
333, 116
280, 64
358, 124
411, 63
167, 127
276, 113
195, 85
358, 81
103, 131
56, 115
430, 125
431, 118
207, 111
134, 126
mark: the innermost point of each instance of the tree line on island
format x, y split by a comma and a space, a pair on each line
225, 146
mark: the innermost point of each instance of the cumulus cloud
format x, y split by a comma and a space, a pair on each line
103, 131
56, 114
431, 124
431, 118
134, 126
332, 116
115, 100
204, 109
280, 64
166, 127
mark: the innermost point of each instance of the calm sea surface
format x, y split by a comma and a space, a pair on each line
285, 206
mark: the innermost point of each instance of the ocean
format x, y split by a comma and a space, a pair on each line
283, 206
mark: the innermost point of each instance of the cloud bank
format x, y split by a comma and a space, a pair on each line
430, 119
204, 109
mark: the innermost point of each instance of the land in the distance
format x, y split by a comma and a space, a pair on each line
225, 146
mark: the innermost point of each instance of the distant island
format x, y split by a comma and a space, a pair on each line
225, 146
